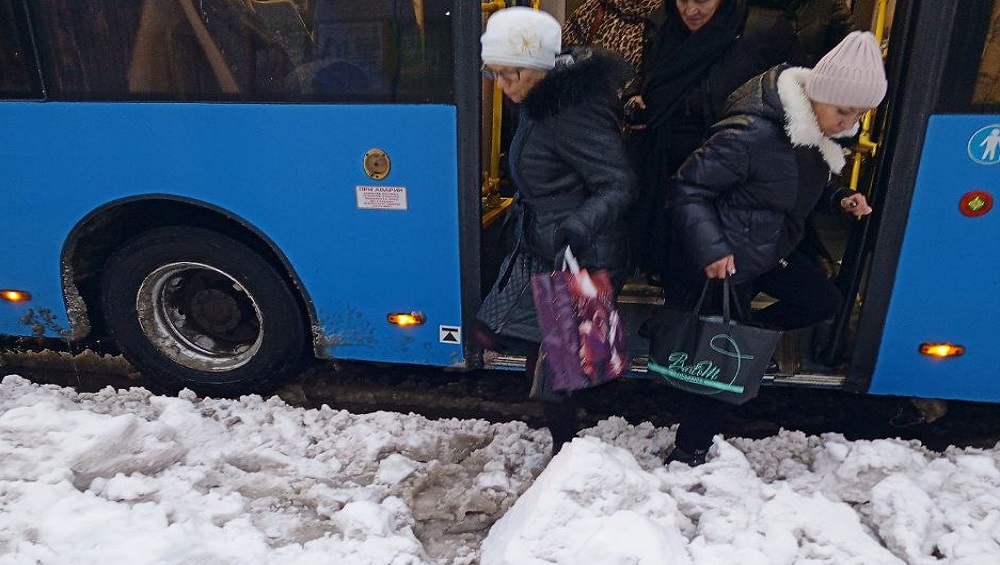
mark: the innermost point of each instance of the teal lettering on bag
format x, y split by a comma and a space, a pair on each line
704, 372
701, 369
668, 372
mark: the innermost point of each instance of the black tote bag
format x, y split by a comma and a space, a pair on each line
710, 355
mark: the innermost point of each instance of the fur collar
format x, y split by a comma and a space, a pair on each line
800, 121
583, 75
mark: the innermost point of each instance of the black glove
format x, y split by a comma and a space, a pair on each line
577, 242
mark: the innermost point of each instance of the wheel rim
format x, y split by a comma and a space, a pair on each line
199, 317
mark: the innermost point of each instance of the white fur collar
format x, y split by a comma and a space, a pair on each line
800, 121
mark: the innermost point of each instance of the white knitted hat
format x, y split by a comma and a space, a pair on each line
522, 37
851, 75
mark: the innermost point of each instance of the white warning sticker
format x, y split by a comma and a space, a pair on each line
450, 334
381, 197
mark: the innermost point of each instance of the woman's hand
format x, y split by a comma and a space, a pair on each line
856, 205
722, 268
634, 109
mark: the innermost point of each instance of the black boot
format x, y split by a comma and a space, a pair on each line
561, 419
691, 459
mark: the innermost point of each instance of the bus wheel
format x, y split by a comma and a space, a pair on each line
191, 308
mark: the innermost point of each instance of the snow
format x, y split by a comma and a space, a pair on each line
123, 476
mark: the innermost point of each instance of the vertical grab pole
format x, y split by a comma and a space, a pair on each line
851, 266
492, 204
865, 143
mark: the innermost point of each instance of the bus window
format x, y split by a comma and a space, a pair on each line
246, 50
18, 74
988, 81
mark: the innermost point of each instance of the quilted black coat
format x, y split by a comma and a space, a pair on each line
749, 188
567, 160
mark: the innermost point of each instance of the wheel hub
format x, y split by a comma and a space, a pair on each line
215, 311
199, 317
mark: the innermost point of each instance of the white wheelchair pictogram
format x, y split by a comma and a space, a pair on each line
984, 145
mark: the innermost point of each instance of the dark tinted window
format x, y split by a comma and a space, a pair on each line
971, 73
18, 74
988, 80
246, 50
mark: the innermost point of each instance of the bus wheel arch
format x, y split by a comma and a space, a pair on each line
193, 308
97, 237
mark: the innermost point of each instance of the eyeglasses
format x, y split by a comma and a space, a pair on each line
508, 75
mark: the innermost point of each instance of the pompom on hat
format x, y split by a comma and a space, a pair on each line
851, 75
522, 37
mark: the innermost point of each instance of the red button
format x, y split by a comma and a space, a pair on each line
976, 203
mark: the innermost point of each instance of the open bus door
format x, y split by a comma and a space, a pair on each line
917, 272
801, 356
921, 302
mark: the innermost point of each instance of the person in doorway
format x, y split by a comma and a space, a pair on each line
739, 202
617, 25
696, 53
819, 26
567, 160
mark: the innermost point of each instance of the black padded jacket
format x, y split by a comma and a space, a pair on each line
749, 188
568, 162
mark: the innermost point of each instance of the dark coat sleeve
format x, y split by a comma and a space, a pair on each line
708, 175
832, 195
587, 138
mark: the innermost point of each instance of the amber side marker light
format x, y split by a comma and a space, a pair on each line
941, 350
403, 319
15, 295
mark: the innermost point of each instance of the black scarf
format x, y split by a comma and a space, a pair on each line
679, 58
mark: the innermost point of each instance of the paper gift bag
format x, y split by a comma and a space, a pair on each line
583, 341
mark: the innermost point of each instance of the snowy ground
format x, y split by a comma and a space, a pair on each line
126, 477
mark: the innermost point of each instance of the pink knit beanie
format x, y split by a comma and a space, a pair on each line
851, 75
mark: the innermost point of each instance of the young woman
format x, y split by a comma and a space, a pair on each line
739, 203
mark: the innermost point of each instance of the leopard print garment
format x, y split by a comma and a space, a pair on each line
613, 24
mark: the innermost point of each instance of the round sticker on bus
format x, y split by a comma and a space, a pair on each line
984, 145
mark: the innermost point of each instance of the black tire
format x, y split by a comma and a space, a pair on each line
191, 308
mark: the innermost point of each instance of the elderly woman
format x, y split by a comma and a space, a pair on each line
568, 163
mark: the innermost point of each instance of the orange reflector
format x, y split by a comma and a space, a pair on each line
941, 350
403, 319
15, 295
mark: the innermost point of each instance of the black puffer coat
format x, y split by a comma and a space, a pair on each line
819, 26
749, 188
567, 160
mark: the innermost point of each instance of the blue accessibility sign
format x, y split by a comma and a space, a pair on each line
984, 145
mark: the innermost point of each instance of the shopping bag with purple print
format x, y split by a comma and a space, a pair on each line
583, 342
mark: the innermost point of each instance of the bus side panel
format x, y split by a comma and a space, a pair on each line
947, 286
362, 248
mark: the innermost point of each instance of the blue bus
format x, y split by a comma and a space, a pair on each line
221, 190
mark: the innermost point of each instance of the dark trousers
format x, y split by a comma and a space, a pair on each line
805, 296
704, 417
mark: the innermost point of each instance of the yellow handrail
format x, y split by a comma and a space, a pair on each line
865, 145
489, 7
493, 205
